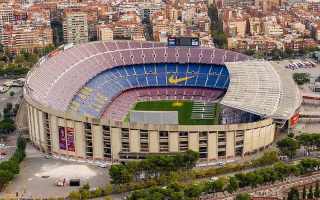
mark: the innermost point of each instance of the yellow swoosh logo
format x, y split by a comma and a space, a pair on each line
173, 80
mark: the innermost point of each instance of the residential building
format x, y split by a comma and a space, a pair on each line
75, 27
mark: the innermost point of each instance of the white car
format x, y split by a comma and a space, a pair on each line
214, 178
102, 165
221, 164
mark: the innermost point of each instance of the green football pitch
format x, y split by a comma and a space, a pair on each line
184, 109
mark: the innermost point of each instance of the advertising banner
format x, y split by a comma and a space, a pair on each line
62, 138
70, 139
294, 120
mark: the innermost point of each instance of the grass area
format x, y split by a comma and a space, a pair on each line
184, 109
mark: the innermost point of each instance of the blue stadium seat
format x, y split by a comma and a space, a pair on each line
151, 79
130, 70
150, 68
171, 68
193, 68
161, 68
211, 82
139, 69
201, 79
162, 79
205, 69
182, 68
122, 72
142, 80
112, 82
133, 80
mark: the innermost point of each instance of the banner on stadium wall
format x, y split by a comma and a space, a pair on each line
62, 138
70, 139
294, 120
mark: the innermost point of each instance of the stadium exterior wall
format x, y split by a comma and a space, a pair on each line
114, 141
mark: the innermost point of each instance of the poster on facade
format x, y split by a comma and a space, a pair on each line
294, 120
70, 139
62, 138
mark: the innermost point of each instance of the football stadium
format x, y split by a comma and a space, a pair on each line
119, 100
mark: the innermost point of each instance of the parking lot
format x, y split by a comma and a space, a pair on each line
38, 176
7, 147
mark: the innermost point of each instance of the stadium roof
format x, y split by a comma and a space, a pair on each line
55, 80
259, 87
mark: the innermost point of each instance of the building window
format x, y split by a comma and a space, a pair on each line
88, 139
239, 143
125, 140
47, 132
106, 141
163, 141
144, 141
203, 145
183, 141
222, 144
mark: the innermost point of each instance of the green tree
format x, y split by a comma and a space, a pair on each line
276, 54
301, 78
243, 196
309, 141
108, 189
293, 194
291, 135
269, 157
233, 184
8, 169
7, 126
288, 53
219, 185
120, 174
288, 146
74, 195
193, 191
5, 177
308, 165
219, 37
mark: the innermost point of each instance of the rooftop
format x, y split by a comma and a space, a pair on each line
259, 87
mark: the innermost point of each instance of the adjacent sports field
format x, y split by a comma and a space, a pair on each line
184, 109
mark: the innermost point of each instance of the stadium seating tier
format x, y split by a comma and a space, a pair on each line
56, 80
107, 85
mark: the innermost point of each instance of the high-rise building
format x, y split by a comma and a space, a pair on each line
6, 14
104, 33
75, 27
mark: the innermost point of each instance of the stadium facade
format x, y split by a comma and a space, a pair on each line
78, 98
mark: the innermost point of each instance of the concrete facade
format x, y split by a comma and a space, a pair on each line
213, 142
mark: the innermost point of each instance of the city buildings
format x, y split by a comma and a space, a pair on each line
247, 24
75, 27
18, 37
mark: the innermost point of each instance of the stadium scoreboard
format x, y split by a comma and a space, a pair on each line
183, 41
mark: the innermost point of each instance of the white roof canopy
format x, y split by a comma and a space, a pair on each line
257, 87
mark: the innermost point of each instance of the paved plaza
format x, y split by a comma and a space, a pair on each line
38, 176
